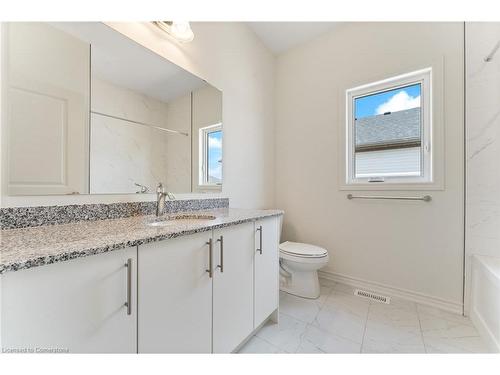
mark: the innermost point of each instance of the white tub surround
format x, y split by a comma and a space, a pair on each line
485, 294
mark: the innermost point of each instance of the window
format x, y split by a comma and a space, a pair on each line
389, 131
210, 173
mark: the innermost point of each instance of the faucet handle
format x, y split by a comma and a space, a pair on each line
144, 189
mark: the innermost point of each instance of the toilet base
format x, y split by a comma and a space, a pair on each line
301, 284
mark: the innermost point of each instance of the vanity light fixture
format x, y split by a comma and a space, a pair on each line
180, 30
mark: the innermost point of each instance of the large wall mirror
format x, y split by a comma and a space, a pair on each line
89, 111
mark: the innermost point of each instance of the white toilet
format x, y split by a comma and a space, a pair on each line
299, 265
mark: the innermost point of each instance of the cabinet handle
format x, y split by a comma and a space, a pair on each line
210, 270
221, 265
129, 286
259, 229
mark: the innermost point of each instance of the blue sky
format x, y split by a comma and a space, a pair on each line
215, 154
389, 101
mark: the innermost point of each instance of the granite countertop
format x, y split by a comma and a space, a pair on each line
31, 247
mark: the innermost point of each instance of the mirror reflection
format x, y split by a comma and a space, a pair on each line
93, 112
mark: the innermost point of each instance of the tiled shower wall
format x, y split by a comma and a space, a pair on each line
482, 143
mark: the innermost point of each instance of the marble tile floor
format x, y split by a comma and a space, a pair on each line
339, 322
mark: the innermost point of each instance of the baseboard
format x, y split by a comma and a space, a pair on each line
422, 298
484, 331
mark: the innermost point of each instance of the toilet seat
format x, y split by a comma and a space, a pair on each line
302, 250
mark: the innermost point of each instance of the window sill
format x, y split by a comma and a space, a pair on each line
209, 187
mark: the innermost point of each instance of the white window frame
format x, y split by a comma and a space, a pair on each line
422, 77
203, 155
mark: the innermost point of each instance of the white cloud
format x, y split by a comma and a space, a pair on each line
399, 102
216, 172
214, 142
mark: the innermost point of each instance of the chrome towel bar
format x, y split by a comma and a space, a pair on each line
425, 198
492, 53
140, 123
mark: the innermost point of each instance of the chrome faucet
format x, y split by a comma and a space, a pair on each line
160, 199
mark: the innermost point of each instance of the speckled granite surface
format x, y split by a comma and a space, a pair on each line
31, 247
23, 217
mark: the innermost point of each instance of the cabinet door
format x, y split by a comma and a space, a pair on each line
266, 268
175, 291
77, 305
233, 286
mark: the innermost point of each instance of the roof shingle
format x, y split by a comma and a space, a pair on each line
396, 129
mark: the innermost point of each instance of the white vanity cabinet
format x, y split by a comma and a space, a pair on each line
76, 305
232, 286
175, 293
266, 266
185, 309
200, 293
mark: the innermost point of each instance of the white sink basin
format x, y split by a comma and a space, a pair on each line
178, 219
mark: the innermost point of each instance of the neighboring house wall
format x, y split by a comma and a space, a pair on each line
399, 162
395, 132
413, 248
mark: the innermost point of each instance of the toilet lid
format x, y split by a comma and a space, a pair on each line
302, 249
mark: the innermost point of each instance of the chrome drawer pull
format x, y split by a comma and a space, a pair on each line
128, 304
221, 265
210, 267
259, 229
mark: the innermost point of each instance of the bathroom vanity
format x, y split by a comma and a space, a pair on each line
187, 283
104, 115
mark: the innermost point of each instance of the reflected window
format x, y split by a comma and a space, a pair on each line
211, 155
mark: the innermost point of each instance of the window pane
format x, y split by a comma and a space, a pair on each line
388, 133
214, 157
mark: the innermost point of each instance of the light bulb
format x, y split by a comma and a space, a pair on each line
181, 31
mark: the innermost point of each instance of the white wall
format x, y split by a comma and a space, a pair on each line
413, 249
232, 58
179, 147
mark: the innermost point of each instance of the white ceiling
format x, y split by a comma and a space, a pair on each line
281, 36
121, 61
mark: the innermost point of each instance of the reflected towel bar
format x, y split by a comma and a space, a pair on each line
139, 123
492, 53
425, 198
